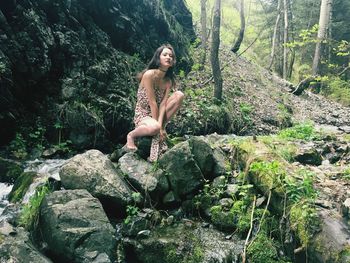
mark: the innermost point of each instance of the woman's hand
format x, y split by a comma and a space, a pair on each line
163, 135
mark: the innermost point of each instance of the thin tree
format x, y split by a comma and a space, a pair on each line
214, 54
239, 40
203, 32
325, 10
285, 39
274, 37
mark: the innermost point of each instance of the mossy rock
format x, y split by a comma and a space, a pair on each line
9, 171
21, 186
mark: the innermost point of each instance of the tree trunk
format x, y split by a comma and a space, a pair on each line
274, 37
203, 31
214, 54
285, 40
239, 40
326, 7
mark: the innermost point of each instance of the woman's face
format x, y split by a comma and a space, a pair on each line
166, 58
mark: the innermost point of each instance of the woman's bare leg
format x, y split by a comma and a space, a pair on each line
173, 104
147, 127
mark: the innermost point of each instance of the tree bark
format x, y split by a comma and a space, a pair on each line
239, 40
203, 32
325, 10
274, 37
214, 54
285, 40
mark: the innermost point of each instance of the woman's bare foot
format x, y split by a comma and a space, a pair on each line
130, 143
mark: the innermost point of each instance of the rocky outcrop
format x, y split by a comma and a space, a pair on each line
67, 62
94, 172
75, 227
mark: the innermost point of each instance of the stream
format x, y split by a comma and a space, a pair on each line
45, 169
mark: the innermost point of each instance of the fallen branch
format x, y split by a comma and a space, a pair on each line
249, 233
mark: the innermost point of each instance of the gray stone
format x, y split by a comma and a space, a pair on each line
94, 172
183, 173
18, 247
74, 225
143, 176
232, 190
346, 208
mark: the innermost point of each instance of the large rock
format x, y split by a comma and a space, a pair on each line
184, 175
143, 175
16, 246
95, 172
186, 242
75, 227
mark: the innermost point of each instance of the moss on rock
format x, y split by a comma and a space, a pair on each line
21, 186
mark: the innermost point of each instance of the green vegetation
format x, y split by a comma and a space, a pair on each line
21, 186
30, 212
303, 131
192, 254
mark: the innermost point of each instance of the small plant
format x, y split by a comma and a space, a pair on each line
304, 131
30, 212
131, 211
302, 189
18, 147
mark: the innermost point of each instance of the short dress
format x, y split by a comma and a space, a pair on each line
143, 110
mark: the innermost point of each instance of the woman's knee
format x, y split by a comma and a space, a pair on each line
179, 96
155, 128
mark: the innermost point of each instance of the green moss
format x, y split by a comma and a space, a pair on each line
225, 220
304, 221
191, 254
30, 212
269, 175
21, 186
263, 250
2, 238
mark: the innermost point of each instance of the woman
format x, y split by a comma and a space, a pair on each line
154, 107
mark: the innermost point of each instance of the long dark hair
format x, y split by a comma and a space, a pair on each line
155, 63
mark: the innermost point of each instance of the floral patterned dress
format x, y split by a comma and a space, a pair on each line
143, 110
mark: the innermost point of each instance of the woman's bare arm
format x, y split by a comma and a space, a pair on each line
162, 105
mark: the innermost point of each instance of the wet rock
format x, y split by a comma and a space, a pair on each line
75, 227
94, 172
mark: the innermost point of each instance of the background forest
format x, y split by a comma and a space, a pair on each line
282, 36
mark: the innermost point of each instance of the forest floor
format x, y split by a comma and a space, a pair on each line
269, 98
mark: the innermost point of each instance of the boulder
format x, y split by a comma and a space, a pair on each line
16, 246
186, 242
184, 175
75, 227
308, 154
94, 172
144, 176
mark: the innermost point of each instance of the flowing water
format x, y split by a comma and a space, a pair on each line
45, 170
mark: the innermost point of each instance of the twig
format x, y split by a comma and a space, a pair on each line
262, 218
342, 72
250, 231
